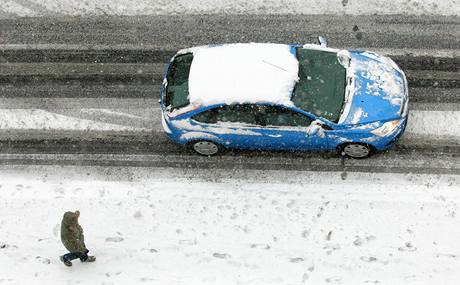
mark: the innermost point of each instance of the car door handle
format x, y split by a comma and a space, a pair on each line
275, 136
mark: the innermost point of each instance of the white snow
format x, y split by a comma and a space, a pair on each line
16, 8
37, 119
98, 111
434, 124
381, 71
359, 113
165, 125
221, 128
384, 78
243, 73
321, 48
156, 226
201, 135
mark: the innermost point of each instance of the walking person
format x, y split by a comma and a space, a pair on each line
73, 239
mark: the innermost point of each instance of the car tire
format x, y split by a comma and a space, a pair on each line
356, 150
205, 148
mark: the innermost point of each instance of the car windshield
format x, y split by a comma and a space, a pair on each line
322, 82
177, 89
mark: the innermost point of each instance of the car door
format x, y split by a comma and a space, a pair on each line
284, 128
234, 125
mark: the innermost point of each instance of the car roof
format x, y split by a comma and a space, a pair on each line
242, 73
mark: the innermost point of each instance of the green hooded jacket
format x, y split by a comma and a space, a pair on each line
72, 233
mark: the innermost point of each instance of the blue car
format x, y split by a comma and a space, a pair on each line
283, 97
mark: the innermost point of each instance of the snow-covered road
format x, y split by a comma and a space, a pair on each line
141, 116
156, 226
34, 8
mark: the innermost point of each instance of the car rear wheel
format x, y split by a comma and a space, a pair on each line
356, 150
206, 148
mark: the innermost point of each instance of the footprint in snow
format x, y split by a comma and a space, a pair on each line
108, 274
151, 250
333, 280
137, 215
305, 233
305, 277
188, 241
407, 247
291, 204
360, 241
5, 246
446, 255
329, 235
221, 255
43, 260
296, 259
368, 258
260, 246
114, 239
77, 190
43, 239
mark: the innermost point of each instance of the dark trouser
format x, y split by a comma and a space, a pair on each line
74, 255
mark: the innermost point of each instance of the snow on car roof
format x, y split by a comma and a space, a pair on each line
243, 73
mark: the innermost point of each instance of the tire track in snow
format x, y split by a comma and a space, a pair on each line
146, 73
391, 162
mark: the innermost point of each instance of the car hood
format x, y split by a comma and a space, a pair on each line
377, 89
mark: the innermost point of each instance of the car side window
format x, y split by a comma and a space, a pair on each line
208, 117
278, 116
237, 113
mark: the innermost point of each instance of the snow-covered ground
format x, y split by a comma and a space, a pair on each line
163, 226
37, 119
31, 8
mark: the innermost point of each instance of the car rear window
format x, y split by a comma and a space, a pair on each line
177, 76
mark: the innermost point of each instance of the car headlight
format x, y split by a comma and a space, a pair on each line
386, 128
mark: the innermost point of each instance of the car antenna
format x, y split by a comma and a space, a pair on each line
273, 65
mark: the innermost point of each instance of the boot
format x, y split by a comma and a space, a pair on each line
90, 259
65, 261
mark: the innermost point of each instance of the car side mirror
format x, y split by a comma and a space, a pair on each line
314, 128
317, 127
322, 41
165, 68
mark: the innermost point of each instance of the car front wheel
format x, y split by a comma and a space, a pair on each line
206, 148
356, 150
